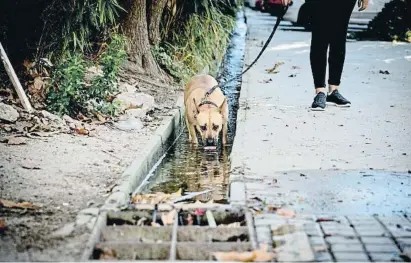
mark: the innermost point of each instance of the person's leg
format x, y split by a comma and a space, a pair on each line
319, 43
336, 58
318, 50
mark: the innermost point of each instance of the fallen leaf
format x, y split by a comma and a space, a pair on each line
155, 198
168, 219
275, 68
384, 72
271, 208
2, 225
107, 253
29, 166
285, 213
22, 205
38, 83
259, 255
82, 131
16, 141
323, 219
100, 117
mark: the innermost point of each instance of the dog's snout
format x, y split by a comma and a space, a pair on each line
210, 142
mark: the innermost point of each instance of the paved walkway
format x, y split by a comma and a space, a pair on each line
351, 164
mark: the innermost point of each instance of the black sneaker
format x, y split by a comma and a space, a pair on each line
319, 102
337, 99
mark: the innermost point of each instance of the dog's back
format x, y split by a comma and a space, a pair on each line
201, 82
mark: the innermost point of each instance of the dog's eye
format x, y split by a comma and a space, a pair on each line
215, 127
203, 127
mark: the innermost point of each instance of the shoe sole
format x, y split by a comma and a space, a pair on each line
338, 105
318, 109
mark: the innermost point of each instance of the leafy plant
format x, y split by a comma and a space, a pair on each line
202, 41
70, 94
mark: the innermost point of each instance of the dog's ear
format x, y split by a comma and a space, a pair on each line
224, 104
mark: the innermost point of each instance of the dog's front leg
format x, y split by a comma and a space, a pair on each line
225, 133
193, 135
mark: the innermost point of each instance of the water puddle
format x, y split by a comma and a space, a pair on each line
191, 168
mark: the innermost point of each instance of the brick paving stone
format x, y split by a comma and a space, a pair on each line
323, 257
348, 256
342, 240
386, 257
316, 241
394, 220
404, 243
400, 233
377, 240
347, 248
372, 232
386, 248
313, 230
340, 231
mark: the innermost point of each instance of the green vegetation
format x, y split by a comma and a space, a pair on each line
70, 94
392, 23
80, 35
201, 42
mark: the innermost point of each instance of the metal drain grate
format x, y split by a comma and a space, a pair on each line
194, 236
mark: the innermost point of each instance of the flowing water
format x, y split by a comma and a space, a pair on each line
190, 168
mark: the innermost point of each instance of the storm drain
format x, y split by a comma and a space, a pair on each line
193, 233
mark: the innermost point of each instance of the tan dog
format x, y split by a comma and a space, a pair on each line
208, 115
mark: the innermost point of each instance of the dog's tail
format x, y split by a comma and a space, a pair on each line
204, 71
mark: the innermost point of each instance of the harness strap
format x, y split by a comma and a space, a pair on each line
207, 102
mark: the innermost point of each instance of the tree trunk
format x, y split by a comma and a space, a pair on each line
136, 30
154, 18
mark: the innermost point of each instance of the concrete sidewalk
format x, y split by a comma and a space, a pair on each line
343, 166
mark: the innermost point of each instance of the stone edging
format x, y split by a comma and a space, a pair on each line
138, 169
132, 176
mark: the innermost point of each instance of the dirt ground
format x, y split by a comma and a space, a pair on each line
64, 174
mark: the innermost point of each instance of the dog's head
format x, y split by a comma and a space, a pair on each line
210, 122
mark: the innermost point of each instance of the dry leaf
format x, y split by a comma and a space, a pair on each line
2, 225
275, 68
82, 131
16, 141
108, 254
285, 213
100, 117
259, 255
22, 205
29, 166
155, 198
168, 219
38, 83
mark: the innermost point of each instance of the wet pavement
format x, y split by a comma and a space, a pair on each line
344, 172
191, 168
341, 161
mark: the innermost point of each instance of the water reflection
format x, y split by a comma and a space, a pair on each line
191, 168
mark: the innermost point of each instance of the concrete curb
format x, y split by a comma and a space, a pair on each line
135, 173
237, 189
139, 168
